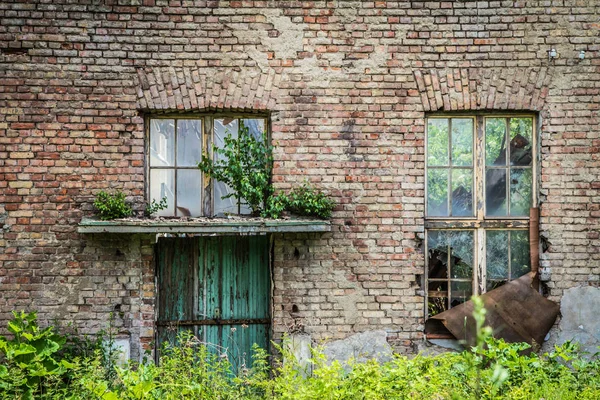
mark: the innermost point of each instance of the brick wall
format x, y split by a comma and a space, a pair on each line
347, 84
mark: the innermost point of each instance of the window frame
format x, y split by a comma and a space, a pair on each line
206, 184
479, 223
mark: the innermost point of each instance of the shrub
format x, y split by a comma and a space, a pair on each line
111, 206
245, 164
155, 207
30, 364
492, 369
304, 200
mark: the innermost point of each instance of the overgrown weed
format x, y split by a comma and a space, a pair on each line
35, 366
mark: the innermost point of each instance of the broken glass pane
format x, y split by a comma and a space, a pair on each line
162, 142
462, 192
462, 142
521, 133
493, 284
256, 127
189, 188
437, 142
520, 191
495, 141
222, 128
461, 262
162, 184
460, 292
437, 192
189, 142
495, 192
496, 253
438, 286
437, 305
437, 242
520, 261
222, 205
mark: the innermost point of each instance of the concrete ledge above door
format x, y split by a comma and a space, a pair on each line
232, 225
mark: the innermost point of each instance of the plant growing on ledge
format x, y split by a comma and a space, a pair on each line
154, 207
304, 200
111, 206
245, 164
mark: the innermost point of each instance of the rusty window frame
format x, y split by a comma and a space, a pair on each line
479, 224
207, 125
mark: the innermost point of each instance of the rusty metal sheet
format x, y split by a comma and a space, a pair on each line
515, 311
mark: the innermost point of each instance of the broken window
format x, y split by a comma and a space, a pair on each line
479, 188
176, 146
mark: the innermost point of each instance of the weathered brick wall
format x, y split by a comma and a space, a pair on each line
351, 83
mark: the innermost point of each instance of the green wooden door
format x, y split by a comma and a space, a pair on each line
217, 287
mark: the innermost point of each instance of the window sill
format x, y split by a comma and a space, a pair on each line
233, 225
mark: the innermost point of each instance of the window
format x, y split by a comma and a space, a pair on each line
176, 146
479, 188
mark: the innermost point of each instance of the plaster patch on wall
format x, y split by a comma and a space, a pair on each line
360, 347
285, 45
579, 308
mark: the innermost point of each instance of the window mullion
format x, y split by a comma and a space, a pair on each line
479, 153
449, 273
449, 167
175, 129
509, 256
207, 184
481, 276
508, 167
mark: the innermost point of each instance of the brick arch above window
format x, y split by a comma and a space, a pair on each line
207, 89
467, 89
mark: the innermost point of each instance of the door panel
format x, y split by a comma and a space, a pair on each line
220, 288
177, 259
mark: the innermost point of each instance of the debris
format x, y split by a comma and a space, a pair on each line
515, 311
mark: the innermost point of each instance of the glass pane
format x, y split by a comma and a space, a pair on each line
520, 261
495, 192
496, 253
462, 192
461, 262
437, 305
223, 128
437, 141
437, 242
520, 191
244, 208
189, 189
462, 142
224, 206
495, 141
256, 127
189, 142
437, 192
162, 142
438, 288
460, 292
521, 132
491, 285
162, 184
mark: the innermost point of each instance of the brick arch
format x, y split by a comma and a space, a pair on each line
188, 89
460, 89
